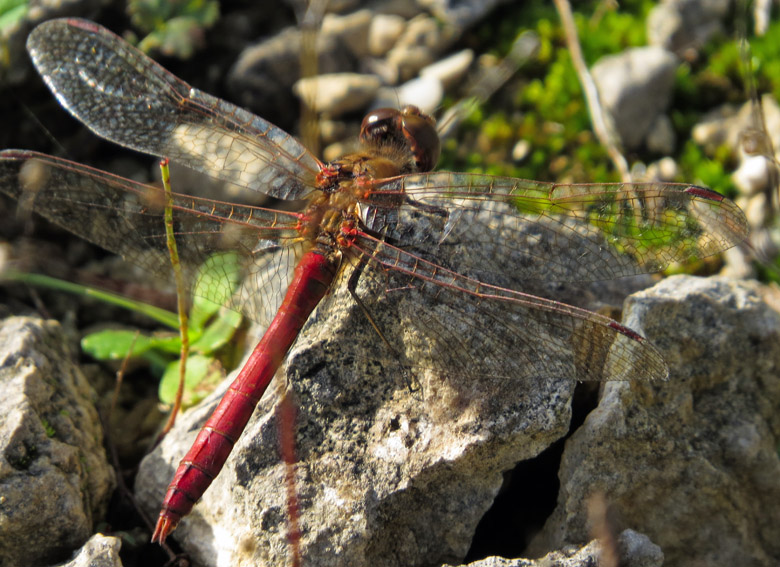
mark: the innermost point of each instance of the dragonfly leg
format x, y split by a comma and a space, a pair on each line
412, 384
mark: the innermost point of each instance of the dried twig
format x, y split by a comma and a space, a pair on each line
602, 123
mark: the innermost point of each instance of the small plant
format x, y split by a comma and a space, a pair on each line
174, 29
11, 13
211, 326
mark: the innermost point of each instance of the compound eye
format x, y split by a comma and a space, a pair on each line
407, 129
380, 125
419, 129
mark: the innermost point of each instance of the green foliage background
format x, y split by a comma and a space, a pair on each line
546, 105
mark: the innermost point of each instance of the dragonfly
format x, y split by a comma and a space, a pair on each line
381, 215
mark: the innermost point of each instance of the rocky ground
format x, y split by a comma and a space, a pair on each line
683, 472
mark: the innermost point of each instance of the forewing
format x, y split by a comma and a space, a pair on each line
126, 217
606, 230
125, 97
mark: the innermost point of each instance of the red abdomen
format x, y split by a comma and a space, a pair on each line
211, 448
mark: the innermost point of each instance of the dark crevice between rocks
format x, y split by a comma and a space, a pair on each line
123, 520
529, 493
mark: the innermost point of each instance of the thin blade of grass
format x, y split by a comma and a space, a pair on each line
173, 252
160, 315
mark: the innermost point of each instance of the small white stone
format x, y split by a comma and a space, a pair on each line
338, 93
424, 92
665, 169
752, 174
384, 31
521, 150
758, 211
451, 69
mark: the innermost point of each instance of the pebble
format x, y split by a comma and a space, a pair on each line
450, 70
338, 93
384, 31
425, 92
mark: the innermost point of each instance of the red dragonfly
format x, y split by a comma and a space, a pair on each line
379, 213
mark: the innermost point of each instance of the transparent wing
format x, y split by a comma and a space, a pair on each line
485, 331
250, 250
125, 97
609, 230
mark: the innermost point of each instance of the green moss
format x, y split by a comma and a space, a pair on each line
545, 106
548, 109
700, 169
48, 428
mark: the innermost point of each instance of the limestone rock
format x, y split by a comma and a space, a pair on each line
55, 480
692, 462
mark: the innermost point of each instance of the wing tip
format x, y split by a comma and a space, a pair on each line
654, 367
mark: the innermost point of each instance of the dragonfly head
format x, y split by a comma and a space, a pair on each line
409, 127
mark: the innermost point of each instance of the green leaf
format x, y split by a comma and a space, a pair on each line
175, 39
217, 280
202, 376
12, 12
114, 344
216, 335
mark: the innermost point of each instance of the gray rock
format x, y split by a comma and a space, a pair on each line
635, 88
692, 462
683, 26
387, 476
262, 77
754, 144
739, 263
352, 30
634, 550
660, 136
55, 480
758, 210
397, 465
762, 14
450, 70
461, 13
423, 39
731, 125
664, 169
752, 177
99, 551
394, 47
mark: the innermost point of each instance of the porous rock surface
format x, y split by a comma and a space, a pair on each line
55, 480
692, 462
